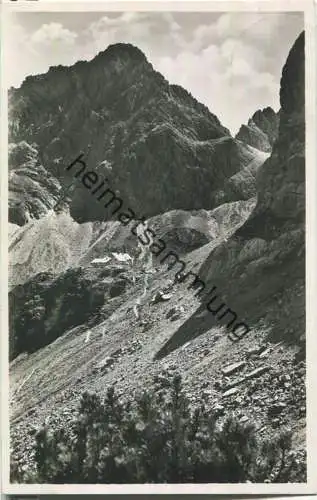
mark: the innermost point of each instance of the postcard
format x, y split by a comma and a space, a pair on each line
158, 185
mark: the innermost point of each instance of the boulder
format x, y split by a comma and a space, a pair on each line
233, 368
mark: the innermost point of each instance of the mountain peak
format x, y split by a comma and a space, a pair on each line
261, 129
122, 50
117, 109
265, 113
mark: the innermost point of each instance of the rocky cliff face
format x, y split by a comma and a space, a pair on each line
261, 130
47, 306
260, 271
159, 148
33, 190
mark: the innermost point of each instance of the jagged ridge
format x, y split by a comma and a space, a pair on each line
261, 130
159, 147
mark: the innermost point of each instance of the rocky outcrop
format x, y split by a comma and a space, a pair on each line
33, 190
158, 147
261, 130
267, 120
242, 185
52, 244
46, 306
86, 321
260, 271
281, 182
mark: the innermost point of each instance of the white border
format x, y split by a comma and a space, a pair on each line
311, 248
159, 5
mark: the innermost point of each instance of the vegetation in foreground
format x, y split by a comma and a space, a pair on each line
157, 438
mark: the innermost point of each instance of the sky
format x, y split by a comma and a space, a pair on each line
230, 61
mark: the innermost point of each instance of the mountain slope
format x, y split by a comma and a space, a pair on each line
55, 284
113, 347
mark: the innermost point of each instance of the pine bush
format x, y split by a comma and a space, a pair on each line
156, 438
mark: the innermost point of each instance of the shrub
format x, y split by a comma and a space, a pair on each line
44, 308
156, 438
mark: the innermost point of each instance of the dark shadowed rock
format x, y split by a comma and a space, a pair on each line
44, 307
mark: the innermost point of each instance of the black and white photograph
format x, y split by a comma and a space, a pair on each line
157, 246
